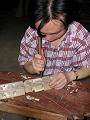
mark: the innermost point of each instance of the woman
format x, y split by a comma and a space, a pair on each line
65, 52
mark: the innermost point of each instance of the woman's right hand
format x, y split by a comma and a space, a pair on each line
39, 62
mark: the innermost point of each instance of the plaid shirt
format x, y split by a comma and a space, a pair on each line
72, 53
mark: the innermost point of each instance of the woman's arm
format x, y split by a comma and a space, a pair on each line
29, 68
36, 65
79, 74
59, 80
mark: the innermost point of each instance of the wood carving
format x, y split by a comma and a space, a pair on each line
10, 90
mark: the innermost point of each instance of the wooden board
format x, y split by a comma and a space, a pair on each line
72, 101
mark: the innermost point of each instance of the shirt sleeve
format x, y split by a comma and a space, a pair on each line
27, 46
81, 56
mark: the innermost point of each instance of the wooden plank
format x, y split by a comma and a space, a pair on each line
33, 112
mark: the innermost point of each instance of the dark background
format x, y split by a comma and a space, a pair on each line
19, 8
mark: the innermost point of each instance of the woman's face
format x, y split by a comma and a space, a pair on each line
53, 30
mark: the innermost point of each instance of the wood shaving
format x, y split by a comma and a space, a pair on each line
25, 77
73, 84
32, 98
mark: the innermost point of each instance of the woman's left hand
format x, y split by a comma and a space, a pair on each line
58, 81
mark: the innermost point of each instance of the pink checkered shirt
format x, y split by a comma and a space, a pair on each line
72, 53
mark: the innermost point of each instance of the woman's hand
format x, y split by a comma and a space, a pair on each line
39, 62
58, 81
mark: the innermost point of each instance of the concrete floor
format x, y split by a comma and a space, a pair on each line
11, 32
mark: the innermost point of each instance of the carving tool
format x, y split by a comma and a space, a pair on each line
39, 50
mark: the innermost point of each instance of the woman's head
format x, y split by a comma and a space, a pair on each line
52, 30
45, 11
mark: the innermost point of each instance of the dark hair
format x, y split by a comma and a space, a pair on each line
46, 10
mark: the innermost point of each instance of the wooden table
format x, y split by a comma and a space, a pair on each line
73, 101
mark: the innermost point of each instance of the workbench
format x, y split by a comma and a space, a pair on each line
72, 102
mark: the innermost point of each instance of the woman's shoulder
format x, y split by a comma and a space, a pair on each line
30, 35
77, 30
76, 26
30, 31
